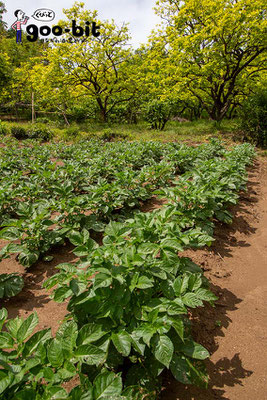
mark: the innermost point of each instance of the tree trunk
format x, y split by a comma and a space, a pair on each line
103, 110
103, 114
163, 124
65, 118
219, 109
15, 106
64, 115
33, 112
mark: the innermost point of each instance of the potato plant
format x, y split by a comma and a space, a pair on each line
128, 299
92, 183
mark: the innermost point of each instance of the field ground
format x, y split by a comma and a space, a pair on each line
234, 332
236, 264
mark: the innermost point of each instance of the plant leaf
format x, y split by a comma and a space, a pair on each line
144, 282
192, 300
10, 285
164, 350
195, 350
91, 354
107, 385
122, 342
27, 327
55, 353
90, 333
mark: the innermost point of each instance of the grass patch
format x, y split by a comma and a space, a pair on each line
190, 131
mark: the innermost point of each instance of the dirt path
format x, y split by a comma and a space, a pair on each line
237, 267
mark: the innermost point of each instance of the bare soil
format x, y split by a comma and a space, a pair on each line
33, 297
234, 331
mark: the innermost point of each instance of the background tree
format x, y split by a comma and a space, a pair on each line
51, 92
160, 91
217, 47
97, 64
5, 75
16, 62
3, 25
5, 62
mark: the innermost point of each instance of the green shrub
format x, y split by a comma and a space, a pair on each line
35, 131
157, 113
253, 116
4, 129
88, 135
72, 131
39, 131
19, 132
108, 134
43, 120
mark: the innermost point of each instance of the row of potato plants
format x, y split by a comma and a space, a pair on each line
47, 191
128, 299
37, 194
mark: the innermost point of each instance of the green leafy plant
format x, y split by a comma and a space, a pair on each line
19, 132
35, 366
10, 285
109, 134
132, 302
4, 129
253, 118
158, 112
39, 131
119, 180
72, 131
128, 297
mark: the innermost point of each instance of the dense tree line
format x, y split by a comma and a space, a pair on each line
204, 61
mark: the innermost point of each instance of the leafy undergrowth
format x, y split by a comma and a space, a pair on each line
197, 130
128, 299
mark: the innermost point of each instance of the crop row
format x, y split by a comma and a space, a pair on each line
46, 191
128, 299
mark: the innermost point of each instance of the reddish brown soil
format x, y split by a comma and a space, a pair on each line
33, 297
152, 204
58, 162
236, 264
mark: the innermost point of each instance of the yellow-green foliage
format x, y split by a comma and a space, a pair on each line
217, 47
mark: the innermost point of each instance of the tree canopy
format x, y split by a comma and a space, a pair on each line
204, 60
217, 46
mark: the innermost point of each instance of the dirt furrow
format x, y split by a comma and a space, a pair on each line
235, 331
